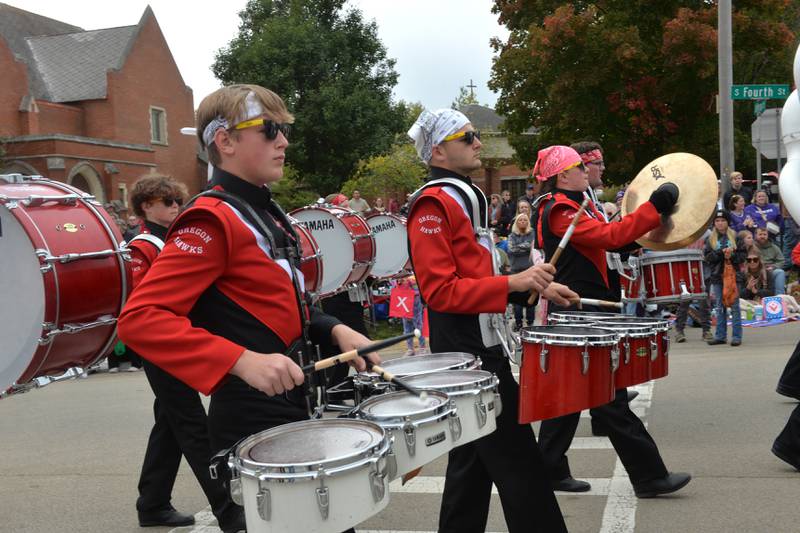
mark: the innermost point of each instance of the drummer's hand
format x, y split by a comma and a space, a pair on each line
349, 339
272, 373
561, 295
536, 278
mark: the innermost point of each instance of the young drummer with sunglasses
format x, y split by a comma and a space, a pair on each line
223, 303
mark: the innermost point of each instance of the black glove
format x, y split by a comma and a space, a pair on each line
664, 198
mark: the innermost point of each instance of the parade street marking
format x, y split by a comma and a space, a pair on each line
435, 485
619, 515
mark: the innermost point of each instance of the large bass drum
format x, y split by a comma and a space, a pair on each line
391, 241
64, 283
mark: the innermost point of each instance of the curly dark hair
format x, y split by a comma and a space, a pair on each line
153, 187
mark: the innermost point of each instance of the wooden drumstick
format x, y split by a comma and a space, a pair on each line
598, 303
352, 354
564, 241
391, 378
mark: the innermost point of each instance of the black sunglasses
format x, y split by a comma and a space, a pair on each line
169, 201
271, 130
753, 259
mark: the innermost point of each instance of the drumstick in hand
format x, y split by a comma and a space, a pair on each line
391, 378
598, 303
352, 354
564, 241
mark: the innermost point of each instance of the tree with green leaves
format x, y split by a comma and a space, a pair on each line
638, 77
290, 193
464, 97
334, 74
396, 173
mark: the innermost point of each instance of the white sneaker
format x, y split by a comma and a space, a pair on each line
113, 370
409, 352
133, 369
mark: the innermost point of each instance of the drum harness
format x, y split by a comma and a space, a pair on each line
494, 327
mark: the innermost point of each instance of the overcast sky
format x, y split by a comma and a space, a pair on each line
439, 45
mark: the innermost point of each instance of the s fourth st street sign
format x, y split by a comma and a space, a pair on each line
760, 92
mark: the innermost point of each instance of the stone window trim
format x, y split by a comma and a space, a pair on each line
158, 132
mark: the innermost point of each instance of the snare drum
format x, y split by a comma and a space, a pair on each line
638, 347
366, 384
565, 369
421, 430
673, 277
65, 278
315, 475
311, 261
631, 281
579, 317
391, 242
475, 393
659, 366
345, 241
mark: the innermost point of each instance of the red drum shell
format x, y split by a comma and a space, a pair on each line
311, 261
637, 344
662, 273
77, 292
659, 366
564, 389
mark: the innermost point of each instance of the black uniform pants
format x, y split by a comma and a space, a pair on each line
509, 458
789, 383
180, 429
635, 447
788, 442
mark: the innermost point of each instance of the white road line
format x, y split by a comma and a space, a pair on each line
435, 485
619, 515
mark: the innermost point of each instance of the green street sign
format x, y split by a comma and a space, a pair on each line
760, 92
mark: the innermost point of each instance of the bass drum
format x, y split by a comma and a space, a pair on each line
65, 280
391, 241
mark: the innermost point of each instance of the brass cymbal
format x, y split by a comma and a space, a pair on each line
696, 205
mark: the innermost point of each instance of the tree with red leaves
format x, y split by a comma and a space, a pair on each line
638, 76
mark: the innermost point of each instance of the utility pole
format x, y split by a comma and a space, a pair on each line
725, 68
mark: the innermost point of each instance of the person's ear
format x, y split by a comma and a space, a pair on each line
223, 140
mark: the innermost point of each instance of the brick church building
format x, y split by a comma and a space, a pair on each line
96, 109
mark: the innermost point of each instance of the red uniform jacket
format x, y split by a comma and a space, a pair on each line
214, 275
143, 253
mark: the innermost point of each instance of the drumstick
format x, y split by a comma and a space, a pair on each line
564, 240
352, 354
391, 378
598, 303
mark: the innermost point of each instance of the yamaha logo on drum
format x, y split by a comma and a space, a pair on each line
389, 224
641, 351
318, 225
435, 439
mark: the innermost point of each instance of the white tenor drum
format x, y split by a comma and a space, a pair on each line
475, 393
391, 242
345, 241
421, 430
316, 475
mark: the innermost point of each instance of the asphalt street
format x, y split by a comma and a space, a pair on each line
72, 451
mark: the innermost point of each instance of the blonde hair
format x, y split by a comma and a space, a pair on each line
713, 239
229, 103
515, 227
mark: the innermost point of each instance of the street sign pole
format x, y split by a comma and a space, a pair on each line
725, 61
778, 138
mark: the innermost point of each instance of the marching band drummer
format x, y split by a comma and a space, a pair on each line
181, 427
457, 279
221, 305
583, 267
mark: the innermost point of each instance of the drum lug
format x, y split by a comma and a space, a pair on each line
73, 328
666, 344
543, 358
264, 503
323, 496
615, 357
236, 490
654, 349
45, 257
36, 201
585, 361
627, 349
455, 423
8, 202
410, 435
376, 480
480, 410
685, 295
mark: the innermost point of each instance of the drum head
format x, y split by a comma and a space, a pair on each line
391, 245
23, 300
579, 316
425, 364
335, 243
312, 442
451, 379
401, 404
569, 335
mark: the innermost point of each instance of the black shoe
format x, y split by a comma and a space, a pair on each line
570, 484
714, 342
632, 394
664, 485
781, 454
166, 517
736, 342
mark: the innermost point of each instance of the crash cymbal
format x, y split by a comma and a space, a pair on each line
696, 205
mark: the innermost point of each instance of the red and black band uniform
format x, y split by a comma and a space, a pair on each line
456, 278
582, 266
181, 426
216, 290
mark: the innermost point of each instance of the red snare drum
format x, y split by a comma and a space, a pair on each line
579, 317
638, 348
311, 260
391, 241
673, 277
346, 242
565, 369
631, 280
659, 365
64, 281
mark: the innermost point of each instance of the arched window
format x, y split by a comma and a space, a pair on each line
86, 178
